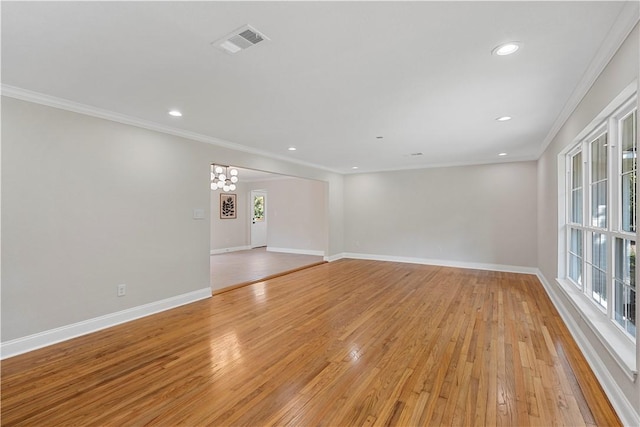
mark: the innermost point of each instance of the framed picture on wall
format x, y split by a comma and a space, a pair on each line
228, 206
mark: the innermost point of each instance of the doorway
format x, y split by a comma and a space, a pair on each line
290, 219
258, 213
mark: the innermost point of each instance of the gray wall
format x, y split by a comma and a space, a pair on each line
88, 204
296, 213
619, 73
230, 233
475, 214
296, 210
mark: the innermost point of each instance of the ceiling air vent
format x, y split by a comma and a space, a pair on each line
240, 39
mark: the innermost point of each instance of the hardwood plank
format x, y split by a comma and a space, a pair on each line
346, 343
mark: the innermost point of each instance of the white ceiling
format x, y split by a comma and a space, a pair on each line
333, 77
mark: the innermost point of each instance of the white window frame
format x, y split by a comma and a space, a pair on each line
600, 318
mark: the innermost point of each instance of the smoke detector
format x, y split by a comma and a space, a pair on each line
240, 39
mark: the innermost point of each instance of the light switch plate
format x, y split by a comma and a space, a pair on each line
198, 214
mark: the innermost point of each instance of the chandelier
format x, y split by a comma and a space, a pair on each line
223, 178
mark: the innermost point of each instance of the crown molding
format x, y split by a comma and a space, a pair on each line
76, 107
627, 19
509, 159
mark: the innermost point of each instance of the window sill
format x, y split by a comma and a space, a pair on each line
618, 344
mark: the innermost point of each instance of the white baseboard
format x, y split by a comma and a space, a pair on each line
438, 262
225, 250
625, 410
335, 257
42, 339
295, 251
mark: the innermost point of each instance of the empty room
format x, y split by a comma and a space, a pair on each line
450, 187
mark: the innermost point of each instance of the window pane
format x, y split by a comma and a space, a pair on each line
625, 308
575, 269
625, 284
628, 178
598, 268
599, 204
576, 171
575, 256
626, 262
631, 312
599, 286
628, 142
576, 206
599, 159
575, 211
576, 242
628, 202
599, 250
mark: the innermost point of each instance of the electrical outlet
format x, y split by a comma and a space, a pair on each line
122, 290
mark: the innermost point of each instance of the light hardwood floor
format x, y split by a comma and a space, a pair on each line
232, 269
346, 343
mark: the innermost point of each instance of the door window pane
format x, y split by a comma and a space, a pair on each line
258, 208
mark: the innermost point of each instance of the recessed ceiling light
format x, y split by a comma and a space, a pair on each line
503, 118
506, 48
354, 167
502, 154
292, 148
175, 113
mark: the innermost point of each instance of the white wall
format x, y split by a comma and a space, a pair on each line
622, 70
88, 203
296, 213
482, 214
